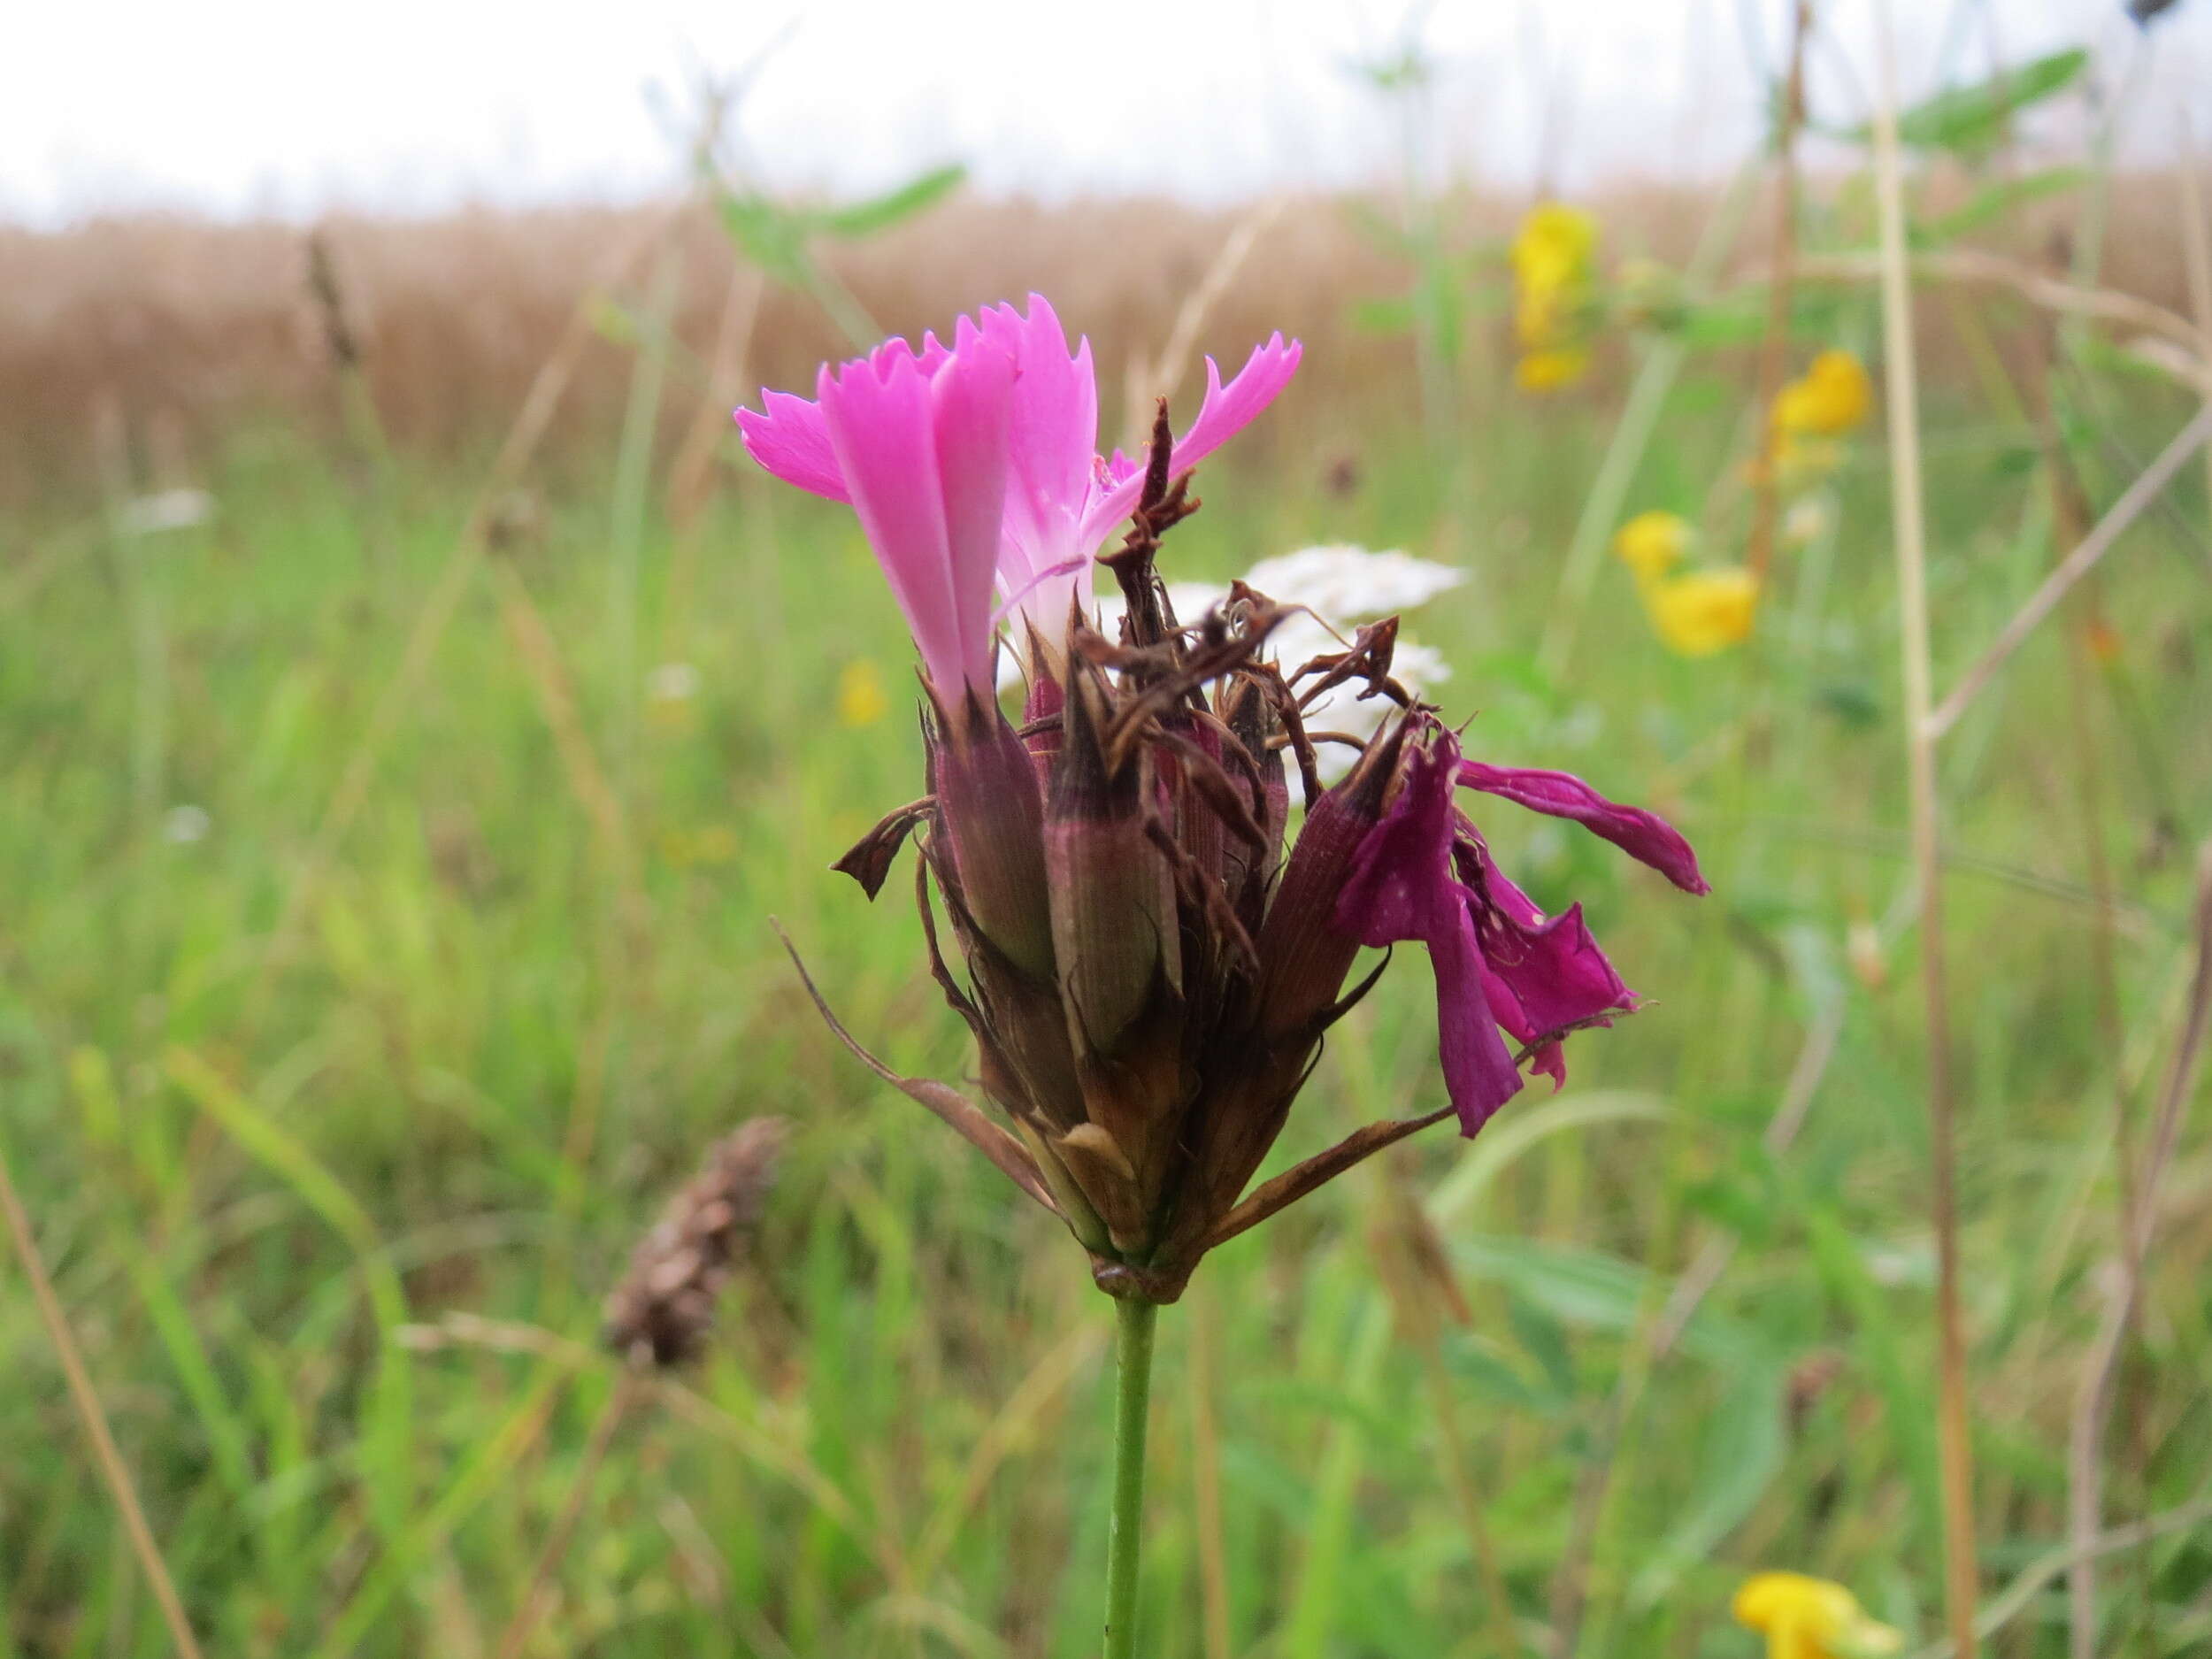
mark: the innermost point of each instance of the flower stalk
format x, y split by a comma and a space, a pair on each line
1133, 1325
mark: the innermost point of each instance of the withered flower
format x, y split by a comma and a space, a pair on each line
1147, 955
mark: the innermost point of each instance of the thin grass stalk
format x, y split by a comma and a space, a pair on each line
1444, 1405
1146, 378
2019, 1597
439, 604
633, 481
1774, 349
2093, 1404
2133, 502
2086, 1432
114, 1473
1632, 434
535, 1596
1135, 1323
2196, 248
1205, 1436
1953, 1420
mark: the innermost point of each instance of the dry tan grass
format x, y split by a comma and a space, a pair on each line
193, 327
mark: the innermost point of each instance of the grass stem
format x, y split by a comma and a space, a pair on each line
113, 1470
532, 1607
1953, 1425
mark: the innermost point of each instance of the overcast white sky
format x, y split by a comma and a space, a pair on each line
253, 106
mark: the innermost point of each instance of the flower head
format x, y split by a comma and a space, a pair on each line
1804, 1617
1053, 499
1832, 397
1551, 256
1147, 954
1652, 544
1703, 612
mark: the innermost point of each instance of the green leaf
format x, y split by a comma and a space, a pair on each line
1742, 1454
1993, 202
1971, 119
1392, 315
771, 236
880, 213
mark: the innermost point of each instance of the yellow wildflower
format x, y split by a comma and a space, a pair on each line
1552, 249
1704, 611
1548, 370
860, 699
1804, 1617
1551, 287
1832, 397
1652, 544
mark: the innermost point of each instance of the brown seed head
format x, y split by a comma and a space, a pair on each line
660, 1314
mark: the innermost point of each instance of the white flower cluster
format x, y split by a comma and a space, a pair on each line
1341, 586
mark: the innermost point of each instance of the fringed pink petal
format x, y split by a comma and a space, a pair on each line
790, 438
882, 428
1050, 439
972, 410
1226, 411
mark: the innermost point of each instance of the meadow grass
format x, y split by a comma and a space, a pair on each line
332, 1213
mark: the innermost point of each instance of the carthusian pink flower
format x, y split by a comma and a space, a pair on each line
1147, 954
1061, 499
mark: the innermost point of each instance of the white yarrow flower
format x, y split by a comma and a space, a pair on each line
183, 825
165, 510
1347, 584
672, 682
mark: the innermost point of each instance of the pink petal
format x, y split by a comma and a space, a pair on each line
973, 401
1051, 436
1642, 835
1479, 1070
1226, 411
882, 429
790, 440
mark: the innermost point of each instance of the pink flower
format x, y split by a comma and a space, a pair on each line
1425, 873
916, 441
1060, 501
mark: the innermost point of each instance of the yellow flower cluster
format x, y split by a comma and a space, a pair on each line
1697, 613
1552, 255
860, 696
1813, 414
1804, 1617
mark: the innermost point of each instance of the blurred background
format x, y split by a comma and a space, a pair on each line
413, 705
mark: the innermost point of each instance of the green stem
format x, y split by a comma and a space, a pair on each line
1132, 1398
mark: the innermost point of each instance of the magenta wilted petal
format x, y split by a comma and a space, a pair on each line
885, 418
790, 439
1401, 888
1553, 976
1478, 1071
1642, 835
1226, 411
1401, 884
